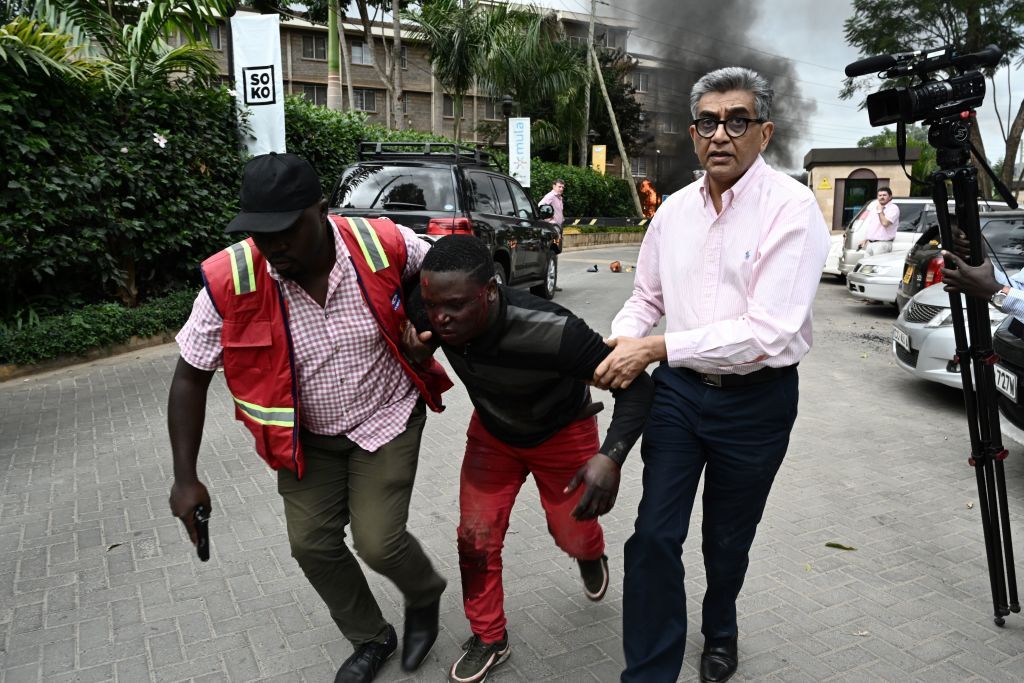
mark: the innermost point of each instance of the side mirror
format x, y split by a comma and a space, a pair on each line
546, 211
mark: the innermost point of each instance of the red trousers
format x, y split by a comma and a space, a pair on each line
492, 474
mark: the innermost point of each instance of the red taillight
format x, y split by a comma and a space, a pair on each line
933, 275
449, 226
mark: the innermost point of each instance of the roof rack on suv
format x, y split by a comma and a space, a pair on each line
448, 151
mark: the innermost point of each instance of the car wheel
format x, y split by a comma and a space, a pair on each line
547, 290
500, 274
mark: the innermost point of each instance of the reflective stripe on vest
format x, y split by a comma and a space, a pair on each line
373, 252
242, 273
273, 417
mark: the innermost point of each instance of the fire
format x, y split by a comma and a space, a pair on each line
649, 199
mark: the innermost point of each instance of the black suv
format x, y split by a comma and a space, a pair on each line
436, 189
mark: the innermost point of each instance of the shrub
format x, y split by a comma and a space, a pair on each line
93, 326
587, 193
109, 197
330, 139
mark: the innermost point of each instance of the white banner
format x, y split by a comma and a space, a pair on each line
259, 83
519, 150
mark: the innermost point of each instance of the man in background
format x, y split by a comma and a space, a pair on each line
881, 223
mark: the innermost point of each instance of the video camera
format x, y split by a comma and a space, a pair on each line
933, 98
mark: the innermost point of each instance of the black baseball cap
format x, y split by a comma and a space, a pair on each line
276, 189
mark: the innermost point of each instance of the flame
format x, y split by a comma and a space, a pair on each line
649, 199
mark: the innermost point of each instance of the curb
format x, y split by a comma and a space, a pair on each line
9, 372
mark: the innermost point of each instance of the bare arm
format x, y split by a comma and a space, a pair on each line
186, 414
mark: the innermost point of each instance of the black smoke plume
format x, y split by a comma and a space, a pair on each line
692, 38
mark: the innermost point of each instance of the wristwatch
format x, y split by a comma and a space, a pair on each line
999, 297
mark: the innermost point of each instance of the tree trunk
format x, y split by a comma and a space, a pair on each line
396, 62
584, 147
1012, 145
457, 110
333, 73
345, 69
364, 17
618, 137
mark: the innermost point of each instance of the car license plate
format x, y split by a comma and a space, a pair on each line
1006, 382
901, 338
908, 274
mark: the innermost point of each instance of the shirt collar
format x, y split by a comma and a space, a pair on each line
739, 187
340, 254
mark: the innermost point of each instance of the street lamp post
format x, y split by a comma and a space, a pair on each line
507, 105
657, 167
591, 139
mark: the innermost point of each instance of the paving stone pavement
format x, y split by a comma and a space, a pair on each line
97, 581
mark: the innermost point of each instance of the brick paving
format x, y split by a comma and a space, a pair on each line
97, 582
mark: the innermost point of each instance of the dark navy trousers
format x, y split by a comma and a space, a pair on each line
738, 437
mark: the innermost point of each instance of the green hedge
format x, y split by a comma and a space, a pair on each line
105, 197
591, 229
94, 326
330, 139
586, 193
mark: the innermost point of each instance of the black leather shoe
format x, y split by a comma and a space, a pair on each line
421, 624
366, 661
718, 661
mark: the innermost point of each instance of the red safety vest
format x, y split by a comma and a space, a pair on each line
259, 363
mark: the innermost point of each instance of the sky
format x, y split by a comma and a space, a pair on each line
809, 33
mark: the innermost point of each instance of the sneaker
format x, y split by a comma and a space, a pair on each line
366, 661
479, 659
595, 577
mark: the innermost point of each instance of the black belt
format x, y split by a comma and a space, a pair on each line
873, 241
730, 381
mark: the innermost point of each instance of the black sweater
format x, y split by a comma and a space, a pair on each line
527, 375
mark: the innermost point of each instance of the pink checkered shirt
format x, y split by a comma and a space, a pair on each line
349, 383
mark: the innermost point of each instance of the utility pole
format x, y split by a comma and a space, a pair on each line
627, 169
586, 88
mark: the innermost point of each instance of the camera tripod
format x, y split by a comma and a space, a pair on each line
951, 139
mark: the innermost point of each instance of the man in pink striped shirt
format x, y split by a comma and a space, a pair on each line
732, 263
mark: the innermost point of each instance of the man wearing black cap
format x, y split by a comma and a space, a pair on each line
304, 318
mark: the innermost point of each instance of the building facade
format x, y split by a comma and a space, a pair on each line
844, 179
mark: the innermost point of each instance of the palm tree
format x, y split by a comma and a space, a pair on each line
130, 45
464, 36
30, 43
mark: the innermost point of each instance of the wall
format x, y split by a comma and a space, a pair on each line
829, 199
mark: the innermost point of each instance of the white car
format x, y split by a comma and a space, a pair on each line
835, 253
922, 337
916, 214
877, 277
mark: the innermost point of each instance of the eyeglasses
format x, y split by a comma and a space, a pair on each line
735, 126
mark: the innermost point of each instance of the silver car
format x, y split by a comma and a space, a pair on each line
877, 277
922, 337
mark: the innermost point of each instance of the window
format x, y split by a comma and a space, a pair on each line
639, 167
670, 124
492, 109
361, 53
317, 94
483, 193
503, 196
314, 47
371, 186
215, 38
405, 103
403, 59
449, 107
641, 82
524, 208
366, 100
